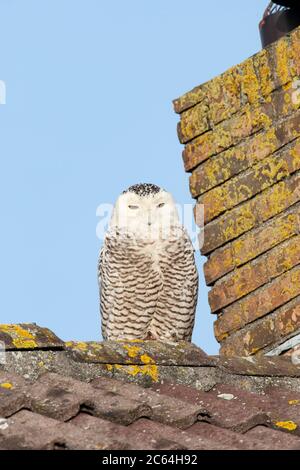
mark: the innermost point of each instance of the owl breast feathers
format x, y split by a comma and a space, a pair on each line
146, 271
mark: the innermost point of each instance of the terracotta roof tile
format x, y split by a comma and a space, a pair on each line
259, 365
184, 438
165, 409
132, 436
238, 411
66, 396
271, 439
140, 353
28, 336
63, 398
229, 439
12, 394
284, 408
27, 430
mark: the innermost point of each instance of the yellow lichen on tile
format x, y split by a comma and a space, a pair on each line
149, 369
96, 346
294, 402
288, 425
147, 359
24, 344
16, 330
6, 385
132, 351
135, 340
21, 338
81, 346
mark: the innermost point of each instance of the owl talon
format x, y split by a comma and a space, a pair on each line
151, 336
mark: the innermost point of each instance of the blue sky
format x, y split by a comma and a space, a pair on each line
89, 112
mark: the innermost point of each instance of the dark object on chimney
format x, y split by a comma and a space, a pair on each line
278, 20
288, 3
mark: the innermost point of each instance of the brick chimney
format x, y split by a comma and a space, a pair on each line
241, 133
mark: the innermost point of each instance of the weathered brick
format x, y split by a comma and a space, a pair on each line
241, 132
189, 99
257, 76
250, 86
295, 52
259, 303
254, 274
261, 62
240, 283
251, 119
283, 101
193, 122
252, 244
225, 135
280, 61
270, 330
276, 65
199, 150
252, 213
248, 184
229, 132
224, 95
219, 263
222, 167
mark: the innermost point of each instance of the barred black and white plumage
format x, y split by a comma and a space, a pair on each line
147, 274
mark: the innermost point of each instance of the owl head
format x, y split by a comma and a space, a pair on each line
145, 210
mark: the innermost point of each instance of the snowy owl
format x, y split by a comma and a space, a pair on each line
148, 280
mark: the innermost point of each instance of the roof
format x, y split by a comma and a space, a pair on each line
141, 395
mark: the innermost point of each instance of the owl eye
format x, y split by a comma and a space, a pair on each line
133, 207
161, 204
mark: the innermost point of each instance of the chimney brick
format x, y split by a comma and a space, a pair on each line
241, 132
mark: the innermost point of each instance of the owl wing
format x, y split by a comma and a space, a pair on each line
129, 287
175, 313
